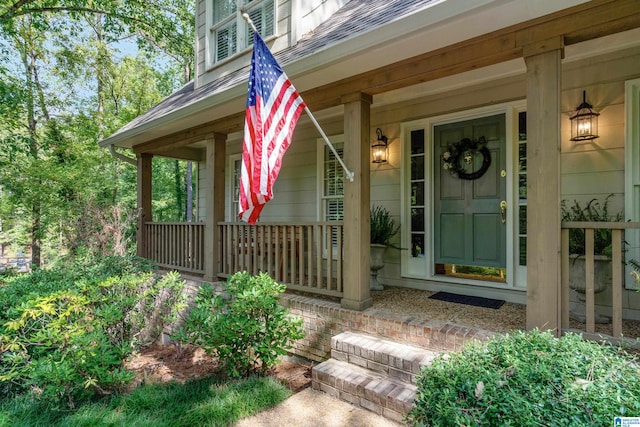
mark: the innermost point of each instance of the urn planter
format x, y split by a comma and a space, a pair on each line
577, 282
377, 262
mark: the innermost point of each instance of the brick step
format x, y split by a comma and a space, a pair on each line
399, 361
372, 372
362, 387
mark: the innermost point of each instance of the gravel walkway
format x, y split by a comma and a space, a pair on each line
414, 302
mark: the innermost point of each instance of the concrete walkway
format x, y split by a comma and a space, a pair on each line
317, 409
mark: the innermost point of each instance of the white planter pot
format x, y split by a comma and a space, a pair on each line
377, 262
578, 282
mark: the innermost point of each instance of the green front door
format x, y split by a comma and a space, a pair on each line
470, 205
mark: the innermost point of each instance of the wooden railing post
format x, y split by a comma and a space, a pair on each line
617, 279
214, 203
144, 201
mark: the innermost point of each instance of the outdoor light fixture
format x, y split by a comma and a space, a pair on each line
584, 123
379, 149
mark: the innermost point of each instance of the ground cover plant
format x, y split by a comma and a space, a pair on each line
65, 332
529, 378
244, 326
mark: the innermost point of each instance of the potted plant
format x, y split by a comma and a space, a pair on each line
383, 228
593, 211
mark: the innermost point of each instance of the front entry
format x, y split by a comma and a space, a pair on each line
470, 193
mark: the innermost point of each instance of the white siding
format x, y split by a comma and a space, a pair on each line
200, 40
311, 13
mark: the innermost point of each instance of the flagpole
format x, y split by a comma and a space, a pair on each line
349, 174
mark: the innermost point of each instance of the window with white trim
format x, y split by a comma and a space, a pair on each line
229, 33
331, 184
632, 173
332, 194
234, 170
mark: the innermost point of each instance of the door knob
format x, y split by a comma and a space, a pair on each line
503, 211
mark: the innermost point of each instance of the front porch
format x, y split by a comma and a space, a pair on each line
304, 256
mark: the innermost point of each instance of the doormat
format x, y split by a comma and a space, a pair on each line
468, 300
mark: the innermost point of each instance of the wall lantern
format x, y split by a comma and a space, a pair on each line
584, 123
379, 149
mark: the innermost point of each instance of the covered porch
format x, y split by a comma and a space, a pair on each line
296, 252
297, 255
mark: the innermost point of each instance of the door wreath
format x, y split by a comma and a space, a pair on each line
464, 151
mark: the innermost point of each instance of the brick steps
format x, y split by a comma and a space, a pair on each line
373, 373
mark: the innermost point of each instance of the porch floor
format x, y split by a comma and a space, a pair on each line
416, 303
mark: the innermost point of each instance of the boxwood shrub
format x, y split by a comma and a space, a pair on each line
529, 379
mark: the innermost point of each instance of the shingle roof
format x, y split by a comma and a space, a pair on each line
353, 19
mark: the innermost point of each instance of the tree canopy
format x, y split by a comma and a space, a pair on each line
75, 71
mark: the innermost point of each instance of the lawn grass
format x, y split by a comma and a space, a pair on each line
206, 402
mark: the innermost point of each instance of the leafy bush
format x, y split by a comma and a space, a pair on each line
529, 378
65, 337
245, 327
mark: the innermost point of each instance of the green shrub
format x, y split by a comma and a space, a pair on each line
245, 327
65, 338
526, 379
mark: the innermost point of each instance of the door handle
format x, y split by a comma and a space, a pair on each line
503, 211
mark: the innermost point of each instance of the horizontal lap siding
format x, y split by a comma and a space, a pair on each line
200, 35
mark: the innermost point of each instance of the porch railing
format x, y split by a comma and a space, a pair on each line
306, 256
176, 245
617, 266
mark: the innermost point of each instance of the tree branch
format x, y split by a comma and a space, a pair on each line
7, 15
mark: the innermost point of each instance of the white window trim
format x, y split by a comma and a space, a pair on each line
231, 204
632, 171
320, 142
241, 26
337, 139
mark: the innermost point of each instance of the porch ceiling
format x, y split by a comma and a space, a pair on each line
577, 24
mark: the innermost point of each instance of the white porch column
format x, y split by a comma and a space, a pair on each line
215, 159
144, 201
544, 70
357, 295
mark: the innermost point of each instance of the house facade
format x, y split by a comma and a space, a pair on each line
474, 100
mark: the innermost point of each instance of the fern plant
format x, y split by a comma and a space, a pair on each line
383, 226
593, 211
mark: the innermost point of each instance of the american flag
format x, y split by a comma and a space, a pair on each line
273, 109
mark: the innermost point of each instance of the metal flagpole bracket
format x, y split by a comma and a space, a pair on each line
348, 174
250, 22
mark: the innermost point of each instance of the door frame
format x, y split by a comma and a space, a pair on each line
424, 268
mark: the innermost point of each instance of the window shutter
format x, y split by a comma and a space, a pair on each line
263, 17
226, 41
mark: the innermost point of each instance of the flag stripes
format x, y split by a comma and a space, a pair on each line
273, 109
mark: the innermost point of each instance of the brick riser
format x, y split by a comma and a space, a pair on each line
373, 373
383, 395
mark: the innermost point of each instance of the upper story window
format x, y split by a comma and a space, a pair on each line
230, 33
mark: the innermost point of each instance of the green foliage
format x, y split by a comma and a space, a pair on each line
591, 212
383, 226
245, 327
64, 333
64, 85
206, 402
527, 379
